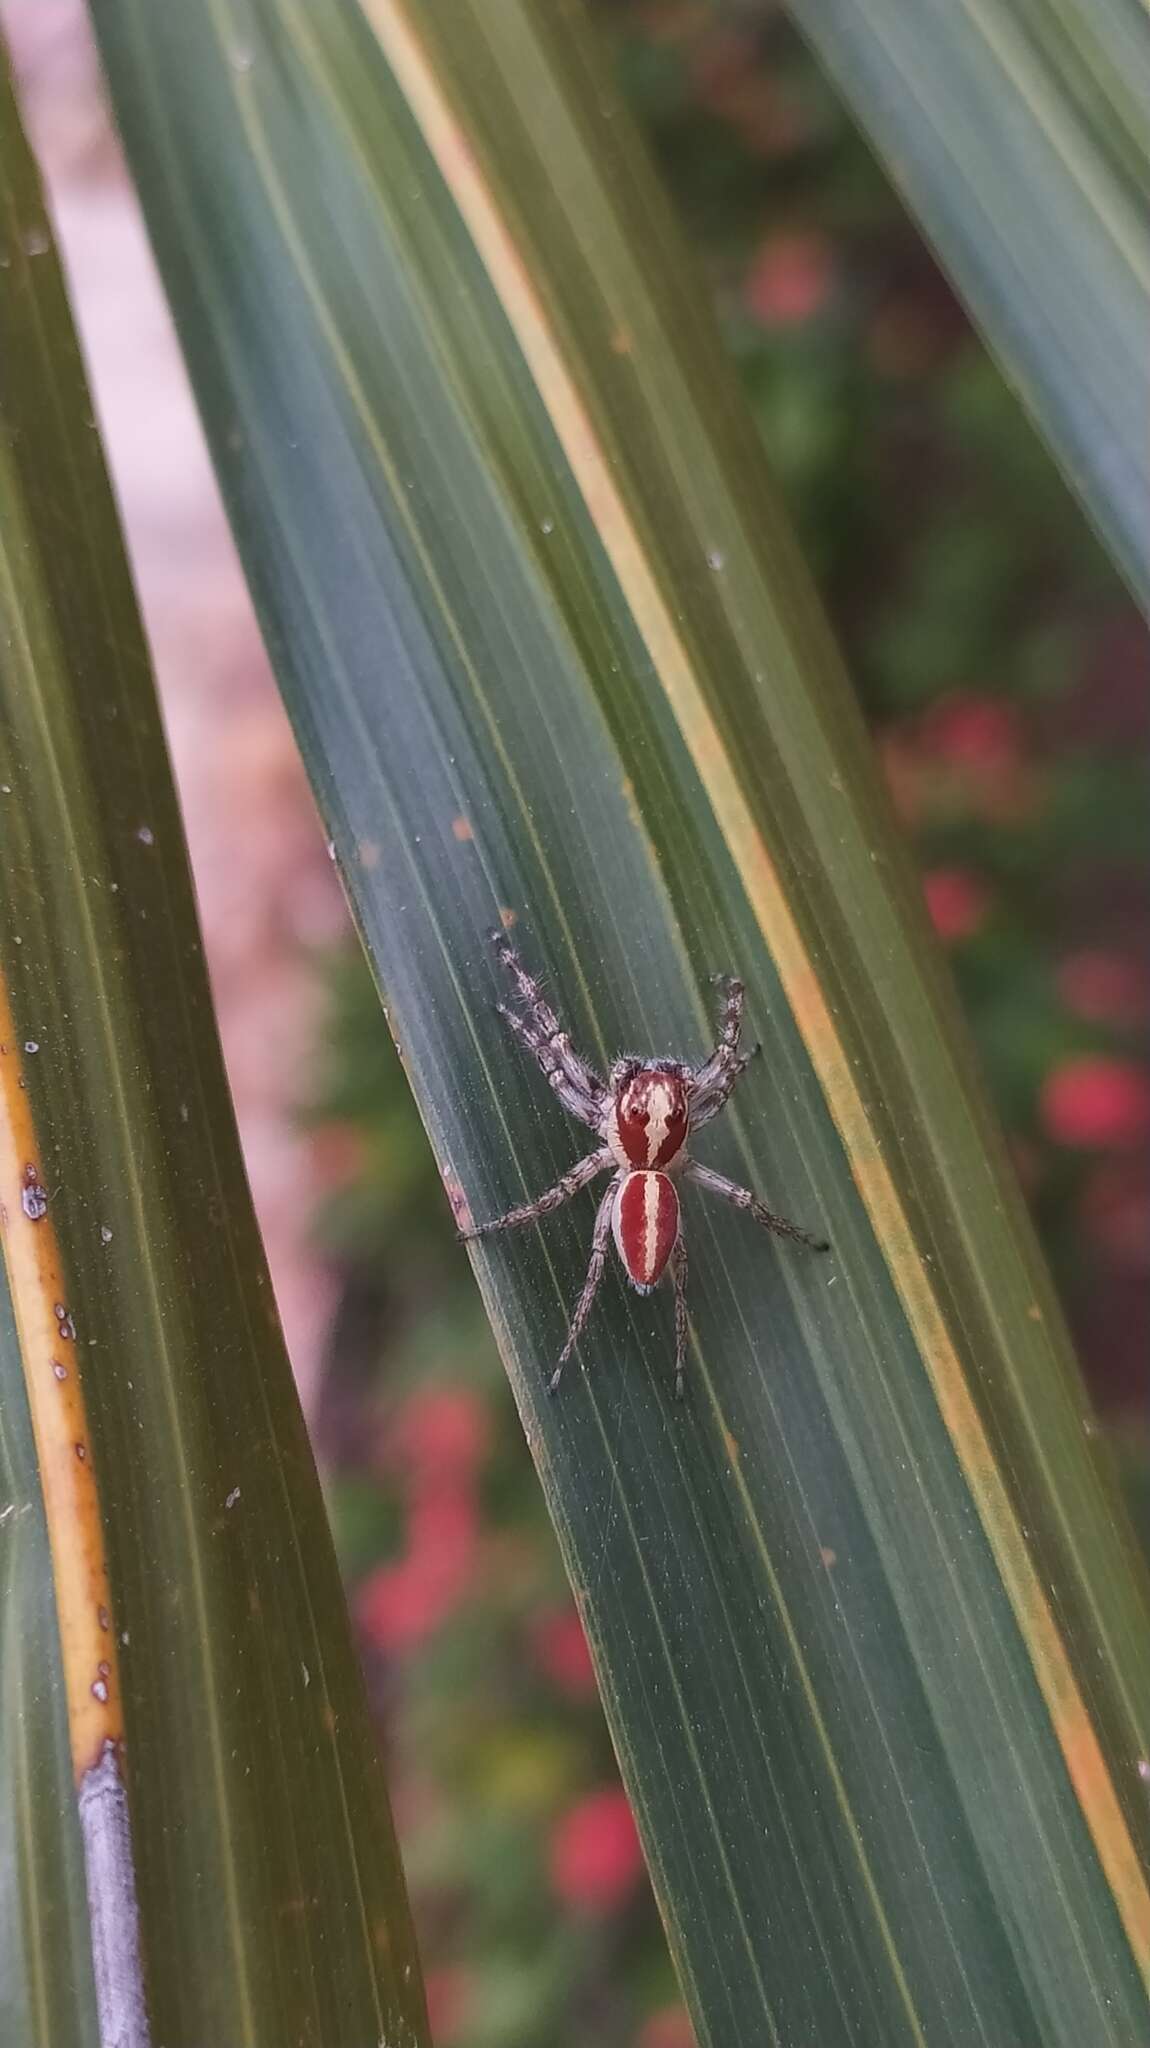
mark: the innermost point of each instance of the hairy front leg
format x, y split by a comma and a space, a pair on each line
706, 1103
546, 1026
718, 1073
529, 1212
742, 1198
577, 1100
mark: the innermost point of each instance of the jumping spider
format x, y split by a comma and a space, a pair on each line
643, 1115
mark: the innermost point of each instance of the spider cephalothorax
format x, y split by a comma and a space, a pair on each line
643, 1116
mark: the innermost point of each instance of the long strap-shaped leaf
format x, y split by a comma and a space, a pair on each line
1019, 131
183, 1720
863, 1611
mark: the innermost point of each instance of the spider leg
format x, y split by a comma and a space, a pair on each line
577, 1100
715, 1070
679, 1275
529, 1212
583, 1306
705, 1106
545, 1024
742, 1198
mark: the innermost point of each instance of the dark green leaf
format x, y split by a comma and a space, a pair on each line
863, 1609
1019, 132
270, 1900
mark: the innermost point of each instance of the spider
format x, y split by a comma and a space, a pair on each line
643, 1116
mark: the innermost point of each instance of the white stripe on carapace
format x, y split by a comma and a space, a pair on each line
661, 1106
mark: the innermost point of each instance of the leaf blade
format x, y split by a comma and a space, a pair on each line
1018, 135
269, 1897
820, 1769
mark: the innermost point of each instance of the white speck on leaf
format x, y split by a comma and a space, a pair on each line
232, 1497
145, 835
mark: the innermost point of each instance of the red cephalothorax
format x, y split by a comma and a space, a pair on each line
646, 1224
641, 1118
648, 1124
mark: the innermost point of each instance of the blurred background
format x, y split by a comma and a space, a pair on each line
1003, 670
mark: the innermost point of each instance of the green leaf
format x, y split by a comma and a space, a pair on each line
1019, 133
863, 1608
183, 1565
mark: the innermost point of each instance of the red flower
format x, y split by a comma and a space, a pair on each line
448, 1993
1097, 1101
399, 1605
957, 901
595, 1857
669, 2028
442, 1433
978, 748
791, 279
975, 732
561, 1649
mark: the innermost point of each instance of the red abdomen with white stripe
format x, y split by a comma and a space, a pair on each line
646, 1224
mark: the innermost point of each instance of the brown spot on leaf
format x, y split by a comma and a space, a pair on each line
460, 1207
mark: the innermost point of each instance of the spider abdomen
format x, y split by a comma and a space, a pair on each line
646, 1224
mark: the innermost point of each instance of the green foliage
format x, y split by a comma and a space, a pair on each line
270, 1901
553, 657
1000, 661
999, 775
1018, 133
